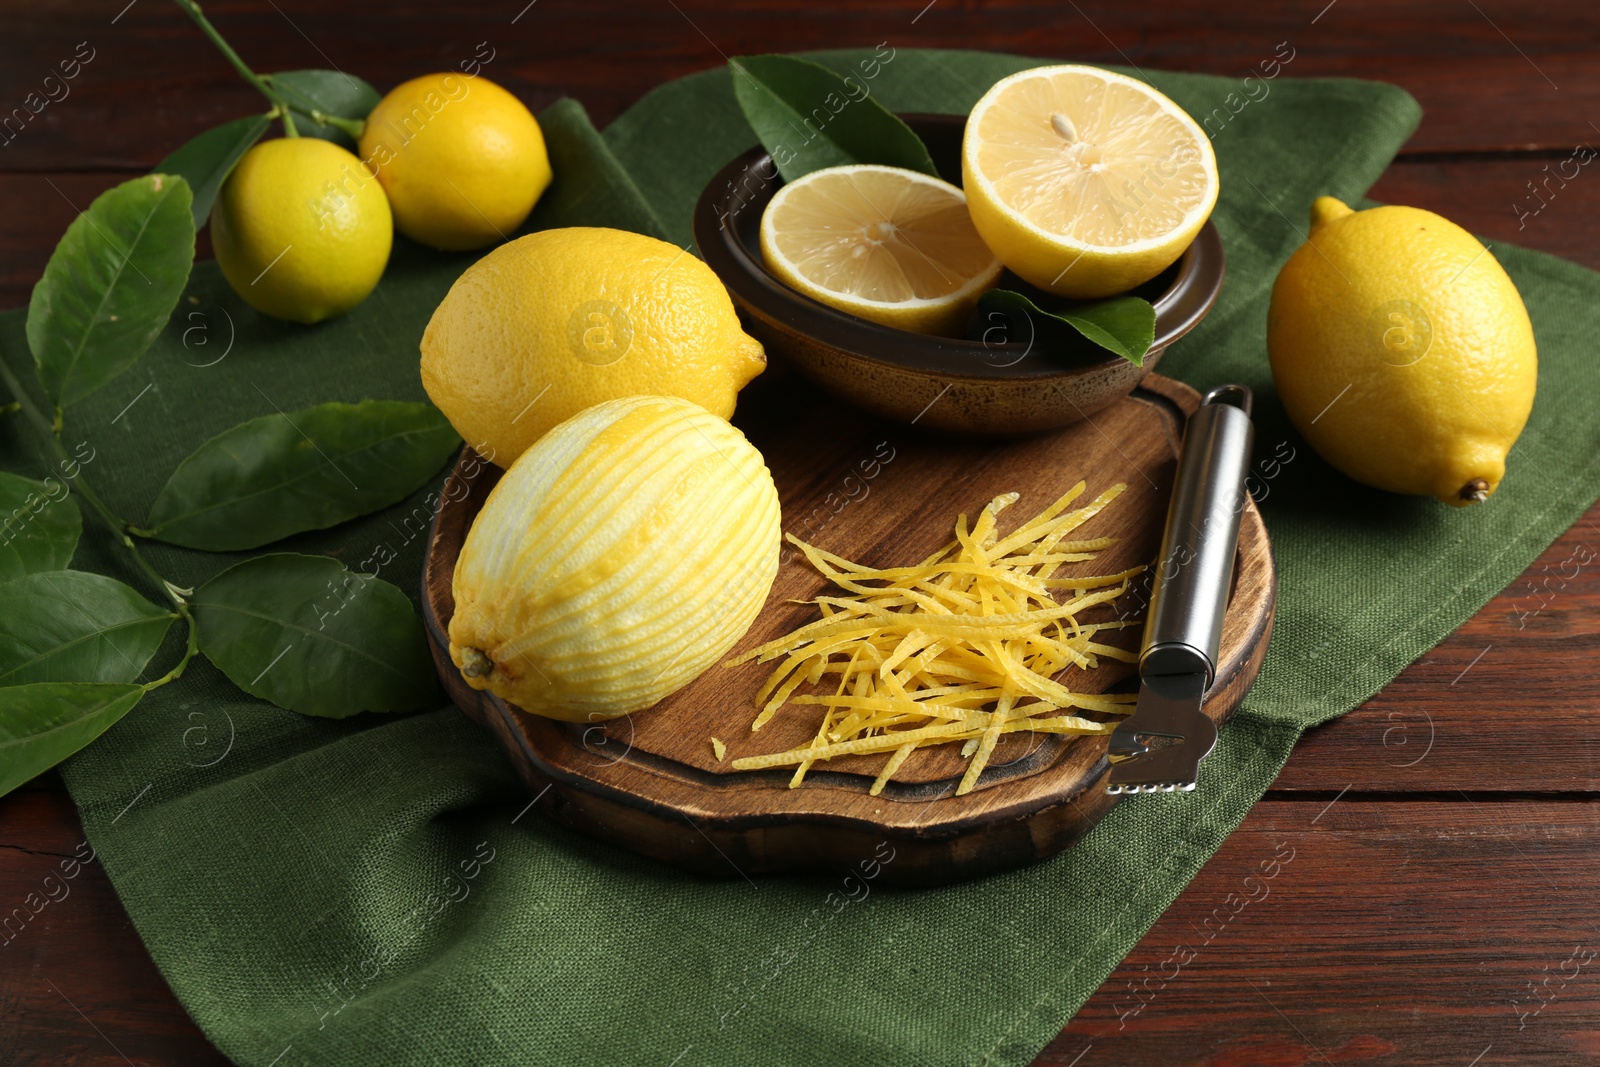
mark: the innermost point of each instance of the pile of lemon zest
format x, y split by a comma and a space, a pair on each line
883, 742
966, 646
956, 731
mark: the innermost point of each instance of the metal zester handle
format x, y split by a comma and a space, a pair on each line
1195, 568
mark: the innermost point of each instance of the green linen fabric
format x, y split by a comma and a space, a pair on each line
369, 892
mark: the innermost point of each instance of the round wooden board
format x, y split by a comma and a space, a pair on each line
885, 495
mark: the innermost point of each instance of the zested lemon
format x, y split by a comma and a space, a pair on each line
887, 244
1084, 182
619, 557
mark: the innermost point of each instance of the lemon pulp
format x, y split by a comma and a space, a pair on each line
1085, 182
887, 244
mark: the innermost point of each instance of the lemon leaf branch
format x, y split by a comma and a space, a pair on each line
191, 649
192, 9
354, 127
79, 485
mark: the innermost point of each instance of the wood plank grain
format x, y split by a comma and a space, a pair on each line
153, 81
1363, 932
29, 235
77, 986
1549, 200
1507, 702
1393, 932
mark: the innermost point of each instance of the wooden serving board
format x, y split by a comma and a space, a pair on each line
885, 495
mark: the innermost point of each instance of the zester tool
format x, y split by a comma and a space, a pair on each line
1160, 746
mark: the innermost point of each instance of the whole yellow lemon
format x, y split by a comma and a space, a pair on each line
559, 320
463, 161
618, 558
1402, 351
301, 229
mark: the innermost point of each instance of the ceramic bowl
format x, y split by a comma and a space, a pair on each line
940, 383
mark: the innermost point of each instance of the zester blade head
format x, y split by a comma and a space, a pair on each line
1159, 747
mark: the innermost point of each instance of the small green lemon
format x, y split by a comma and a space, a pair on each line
301, 229
462, 160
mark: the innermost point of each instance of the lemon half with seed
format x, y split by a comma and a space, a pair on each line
1084, 182
890, 245
301, 229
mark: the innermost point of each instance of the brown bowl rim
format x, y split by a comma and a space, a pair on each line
1191, 294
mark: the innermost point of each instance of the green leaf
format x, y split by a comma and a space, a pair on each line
111, 285
809, 118
43, 724
206, 161
331, 92
73, 626
312, 636
39, 526
284, 474
1125, 325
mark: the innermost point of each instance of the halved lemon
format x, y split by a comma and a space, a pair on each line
887, 244
1085, 182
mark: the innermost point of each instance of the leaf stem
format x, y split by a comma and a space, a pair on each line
51, 431
191, 649
22, 402
354, 127
192, 9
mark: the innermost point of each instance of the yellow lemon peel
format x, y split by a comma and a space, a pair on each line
965, 646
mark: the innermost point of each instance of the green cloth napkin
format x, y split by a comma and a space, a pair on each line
369, 892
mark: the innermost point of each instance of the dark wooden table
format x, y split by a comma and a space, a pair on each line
1445, 836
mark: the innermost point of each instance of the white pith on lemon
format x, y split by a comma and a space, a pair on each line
1084, 182
887, 244
621, 555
